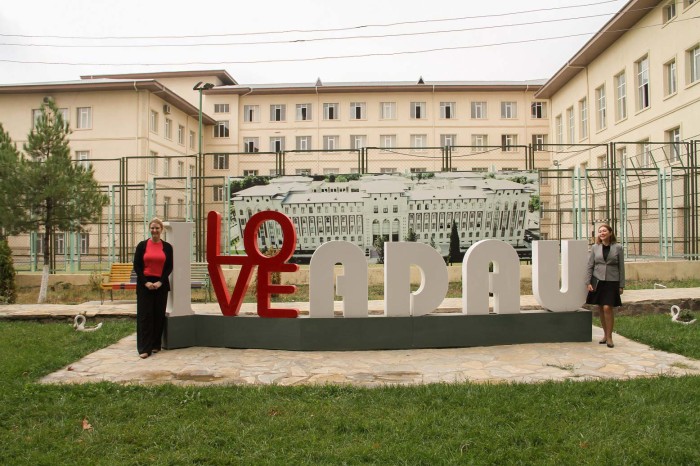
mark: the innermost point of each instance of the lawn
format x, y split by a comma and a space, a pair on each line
641, 421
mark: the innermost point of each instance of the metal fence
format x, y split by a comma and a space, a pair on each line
649, 192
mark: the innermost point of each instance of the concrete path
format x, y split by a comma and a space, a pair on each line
221, 366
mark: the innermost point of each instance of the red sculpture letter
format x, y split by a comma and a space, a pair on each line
231, 305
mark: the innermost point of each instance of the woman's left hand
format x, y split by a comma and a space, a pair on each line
622, 290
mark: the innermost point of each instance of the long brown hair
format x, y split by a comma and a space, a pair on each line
613, 238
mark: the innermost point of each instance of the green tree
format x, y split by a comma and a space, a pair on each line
534, 203
12, 213
455, 254
8, 288
60, 195
379, 247
412, 236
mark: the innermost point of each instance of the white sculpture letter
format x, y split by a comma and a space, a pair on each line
505, 278
352, 285
545, 274
398, 299
180, 296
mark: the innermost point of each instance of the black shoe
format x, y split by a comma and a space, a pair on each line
602, 342
611, 345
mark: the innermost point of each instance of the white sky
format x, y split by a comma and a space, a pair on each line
124, 18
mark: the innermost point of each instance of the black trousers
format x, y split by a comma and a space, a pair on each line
150, 317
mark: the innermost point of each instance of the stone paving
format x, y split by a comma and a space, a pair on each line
221, 366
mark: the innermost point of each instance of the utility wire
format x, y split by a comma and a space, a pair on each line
319, 39
402, 23
338, 57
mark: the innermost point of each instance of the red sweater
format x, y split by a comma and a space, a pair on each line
153, 259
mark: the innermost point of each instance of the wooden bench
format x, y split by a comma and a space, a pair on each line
199, 277
121, 276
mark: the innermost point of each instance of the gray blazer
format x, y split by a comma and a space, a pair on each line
611, 270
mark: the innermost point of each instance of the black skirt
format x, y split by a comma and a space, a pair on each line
605, 294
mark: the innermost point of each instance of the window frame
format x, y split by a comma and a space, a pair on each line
620, 80
643, 83
358, 110
479, 110
81, 114
448, 110
331, 111
509, 110
221, 129
303, 112
418, 111
278, 113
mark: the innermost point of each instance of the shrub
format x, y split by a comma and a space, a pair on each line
8, 287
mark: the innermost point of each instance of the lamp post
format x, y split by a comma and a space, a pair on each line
200, 86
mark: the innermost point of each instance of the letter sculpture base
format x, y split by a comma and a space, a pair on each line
378, 333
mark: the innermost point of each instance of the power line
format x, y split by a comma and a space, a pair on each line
304, 31
319, 39
337, 57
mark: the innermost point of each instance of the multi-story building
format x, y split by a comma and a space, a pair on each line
624, 112
388, 207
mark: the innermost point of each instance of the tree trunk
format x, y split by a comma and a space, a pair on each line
46, 269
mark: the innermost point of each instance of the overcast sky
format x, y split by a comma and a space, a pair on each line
463, 37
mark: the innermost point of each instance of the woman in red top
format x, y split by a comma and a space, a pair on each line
153, 263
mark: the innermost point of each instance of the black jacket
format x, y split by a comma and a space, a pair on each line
139, 266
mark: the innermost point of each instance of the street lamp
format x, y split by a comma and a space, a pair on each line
200, 86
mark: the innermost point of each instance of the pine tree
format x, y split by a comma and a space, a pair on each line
12, 213
8, 288
412, 236
60, 195
455, 254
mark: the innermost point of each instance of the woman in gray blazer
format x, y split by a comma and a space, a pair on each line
606, 278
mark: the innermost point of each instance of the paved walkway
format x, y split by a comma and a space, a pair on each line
517, 363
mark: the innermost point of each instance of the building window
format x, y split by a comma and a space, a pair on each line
358, 141
193, 136
508, 141
387, 141
644, 153
84, 243
60, 243
251, 145
36, 114
418, 141
387, 110
448, 140
180, 208
250, 172
509, 110
670, 11
251, 113
166, 166
673, 136
221, 129
388, 170
693, 64
181, 135
642, 83
538, 141
357, 111
83, 158
478, 110
154, 122
220, 161
448, 110
84, 120
168, 128
166, 207
303, 171
583, 117
331, 142
418, 110
620, 97
670, 79
570, 125
221, 108
180, 169
601, 121
538, 110
303, 143
330, 111
479, 141
153, 163
278, 112
277, 144
218, 193
303, 112
559, 129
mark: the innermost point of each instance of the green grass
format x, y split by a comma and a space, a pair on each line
641, 421
657, 331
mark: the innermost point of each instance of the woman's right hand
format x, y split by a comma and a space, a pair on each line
590, 287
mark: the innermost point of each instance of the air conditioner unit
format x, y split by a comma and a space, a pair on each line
166, 109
